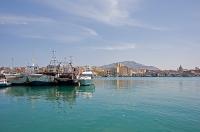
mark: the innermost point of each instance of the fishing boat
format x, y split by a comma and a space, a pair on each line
17, 78
68, 75
85, 78
66, 79
37, 79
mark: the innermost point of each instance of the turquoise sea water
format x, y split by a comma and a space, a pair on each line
111, 105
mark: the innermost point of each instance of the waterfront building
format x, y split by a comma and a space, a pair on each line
52, 69
98, 71
122, 70
197, 68
138, 72
32, 69
5, 70
180, 69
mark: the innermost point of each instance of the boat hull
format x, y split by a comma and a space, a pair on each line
40, 83
38, 80
85, 82
4, 85
66, 81
17, 79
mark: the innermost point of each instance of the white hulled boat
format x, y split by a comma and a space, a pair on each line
85, 78
40, 79
3, 81
35, 78
17, 78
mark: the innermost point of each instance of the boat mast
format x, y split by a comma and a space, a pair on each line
71, 66
12, 63
33, 59
53, 60
70, 61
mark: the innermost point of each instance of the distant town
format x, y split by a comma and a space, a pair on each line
121, 70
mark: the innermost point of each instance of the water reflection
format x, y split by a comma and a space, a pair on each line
3, 89
57, 94
116, 83
123, 83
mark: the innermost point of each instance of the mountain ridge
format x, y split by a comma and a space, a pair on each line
131, 64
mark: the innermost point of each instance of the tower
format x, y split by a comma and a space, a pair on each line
180, 69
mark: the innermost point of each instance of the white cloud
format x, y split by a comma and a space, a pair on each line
60, 36
57, 38
51, 29
122, 46
21, 20
33, 36
111, 12
90, 31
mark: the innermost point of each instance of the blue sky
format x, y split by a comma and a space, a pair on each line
163, 33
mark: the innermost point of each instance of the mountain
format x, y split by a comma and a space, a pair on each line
131, 64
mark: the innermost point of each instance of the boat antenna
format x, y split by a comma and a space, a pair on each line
70, 61
33, 58
65, 61
12, 61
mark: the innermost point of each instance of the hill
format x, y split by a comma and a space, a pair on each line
131, 64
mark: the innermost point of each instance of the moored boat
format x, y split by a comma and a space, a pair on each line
3, 81
40, 79
37, 79
68, 75
17, 79
66, 79
85, 78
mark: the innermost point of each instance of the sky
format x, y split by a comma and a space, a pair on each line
162, 33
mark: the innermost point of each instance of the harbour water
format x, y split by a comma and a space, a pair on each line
110, 105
